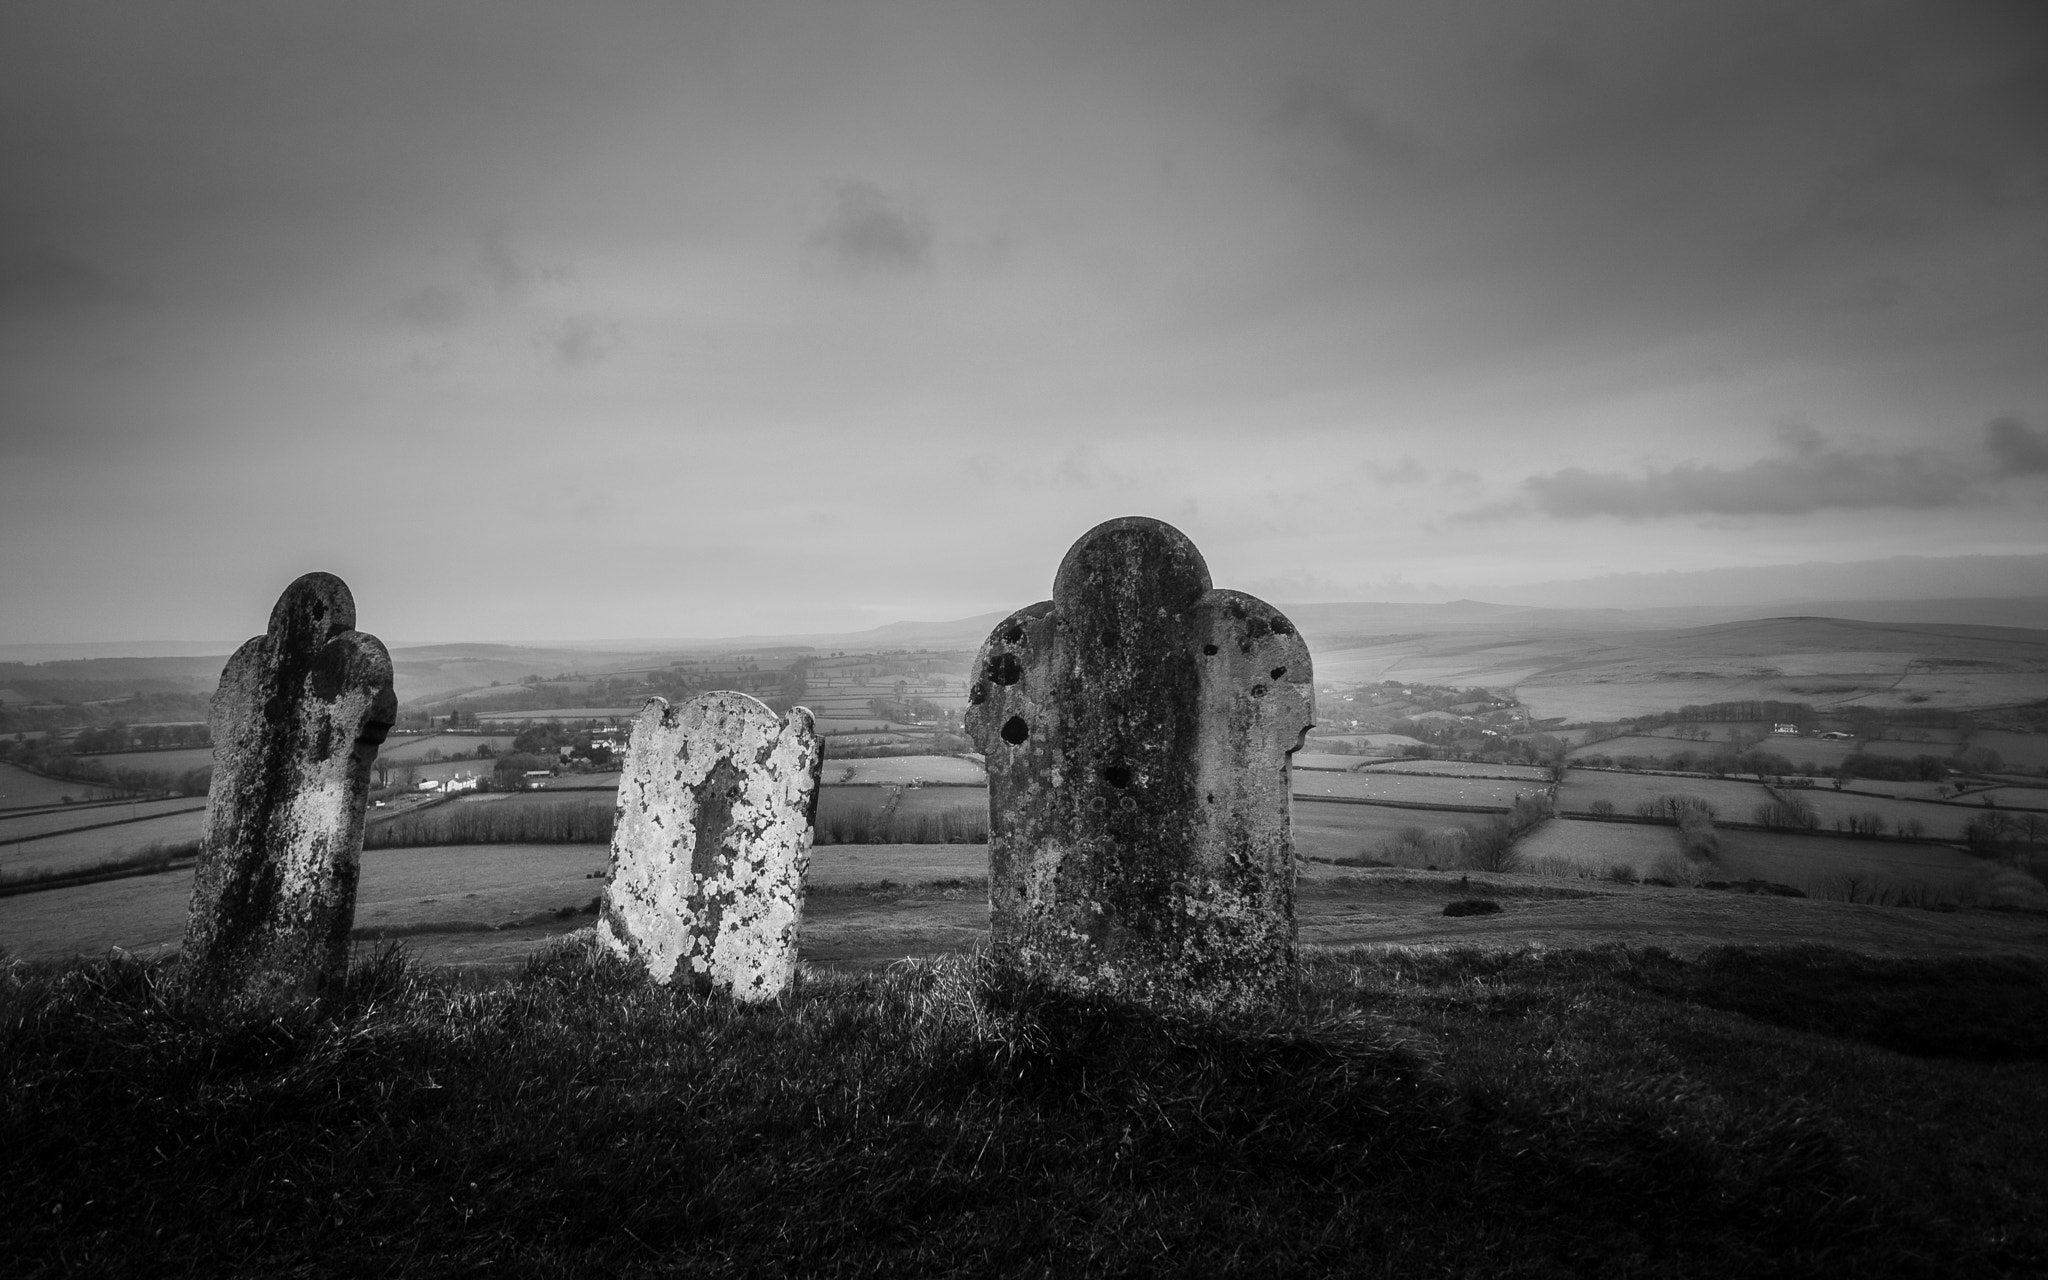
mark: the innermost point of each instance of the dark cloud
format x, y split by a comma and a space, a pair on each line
502, 267
581, 341
870, 230
2018, 449
1808, 474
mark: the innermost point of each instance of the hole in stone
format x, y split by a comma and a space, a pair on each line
978, 694
1277, 672
1117, 775
1212, 797
1209, 650
1005, 669
1258, 691
1109, 639
1014, 635
1015, 730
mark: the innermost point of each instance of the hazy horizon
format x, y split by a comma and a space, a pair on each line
729, 319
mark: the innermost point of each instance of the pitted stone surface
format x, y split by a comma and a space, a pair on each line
1138, 728
297, 720
711, 842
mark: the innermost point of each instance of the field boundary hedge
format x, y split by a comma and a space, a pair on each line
118, 822
1407, 804
1729, 824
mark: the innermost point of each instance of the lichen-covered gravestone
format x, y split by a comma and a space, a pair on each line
1138, 727
710, 844
297, 720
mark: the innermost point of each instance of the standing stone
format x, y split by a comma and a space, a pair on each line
297, 720
1138, 728
711, 841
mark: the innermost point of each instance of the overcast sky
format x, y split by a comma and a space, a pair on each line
648, 319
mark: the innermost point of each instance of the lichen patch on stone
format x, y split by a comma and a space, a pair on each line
711, 843
1137, 729
273, 895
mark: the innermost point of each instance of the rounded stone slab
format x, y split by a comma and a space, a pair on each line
1137, 728
297, 720
711, 841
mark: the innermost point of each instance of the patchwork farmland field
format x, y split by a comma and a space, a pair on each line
2007, 798
1593, 847
70, 817
2021, 750
904, 769
20, 789
1902, 750
1491, 792
1821, 753
1913, 790
1374, 742
561, 713
77, 850
1327, 760
1463, 768
173, 762
1820, 863
1634, 744
1357, 830
1944, 820
1736, 801
414, 750
440, 770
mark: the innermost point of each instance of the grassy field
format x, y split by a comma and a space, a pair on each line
2010, 798
1326, 760
1372, 743
70, 818
175, 761
1358, 830
921, 815
1943, 820
904, 769
412, 750
1381, 786
1618, 1112
1582, 788
1828, 864
1905, 750
2025, 750
1635, 744
78, 850
560, 713
524, 818
1464, 768
440, 770
1564, 847
20, 789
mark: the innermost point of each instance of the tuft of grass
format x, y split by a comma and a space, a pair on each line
1615, 1112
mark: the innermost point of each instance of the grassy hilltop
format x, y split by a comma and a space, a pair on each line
1608, 1112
